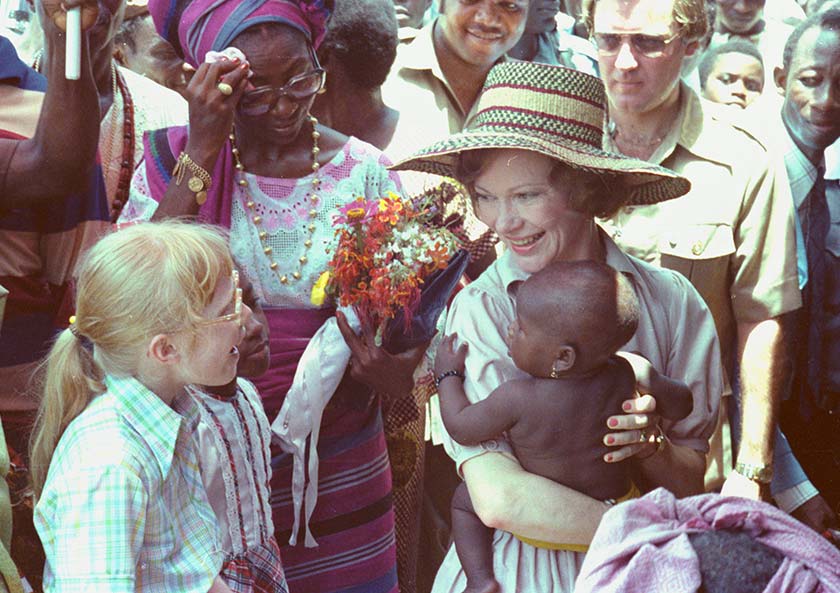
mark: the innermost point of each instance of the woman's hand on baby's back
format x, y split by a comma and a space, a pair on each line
449, 358
635, 431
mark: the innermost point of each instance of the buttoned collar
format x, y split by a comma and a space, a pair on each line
157, 423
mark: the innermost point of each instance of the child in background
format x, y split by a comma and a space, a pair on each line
233, 440
120, 502
732, 73
571, 318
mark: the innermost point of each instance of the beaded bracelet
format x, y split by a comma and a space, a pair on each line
445, 374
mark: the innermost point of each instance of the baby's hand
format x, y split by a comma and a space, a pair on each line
448, 358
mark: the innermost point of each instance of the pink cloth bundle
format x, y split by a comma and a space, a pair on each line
643, 545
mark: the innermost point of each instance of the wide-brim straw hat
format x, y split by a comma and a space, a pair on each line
554, 111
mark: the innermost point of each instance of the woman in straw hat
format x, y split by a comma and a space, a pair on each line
533, 165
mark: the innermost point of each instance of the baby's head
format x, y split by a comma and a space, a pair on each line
571, 317
732, 73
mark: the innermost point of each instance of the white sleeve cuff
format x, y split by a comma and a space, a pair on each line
794, 497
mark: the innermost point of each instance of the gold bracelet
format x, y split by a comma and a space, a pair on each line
200, 180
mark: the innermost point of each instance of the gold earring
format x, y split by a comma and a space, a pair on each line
555, 374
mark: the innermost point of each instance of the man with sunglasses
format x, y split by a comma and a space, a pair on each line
732, 235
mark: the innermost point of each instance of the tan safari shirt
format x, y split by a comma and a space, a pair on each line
732, 235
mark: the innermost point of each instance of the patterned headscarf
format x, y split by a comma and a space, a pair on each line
644, 546
194, 27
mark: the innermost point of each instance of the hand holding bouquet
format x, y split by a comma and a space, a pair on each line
393, 268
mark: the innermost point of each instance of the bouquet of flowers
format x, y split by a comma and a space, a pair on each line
392, 267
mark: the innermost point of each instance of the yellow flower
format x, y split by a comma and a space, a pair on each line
319, 292
355, 213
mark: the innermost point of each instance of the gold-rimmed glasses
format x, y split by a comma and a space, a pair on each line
236, 299
651, 46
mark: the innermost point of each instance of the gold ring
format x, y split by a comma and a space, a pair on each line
225, 89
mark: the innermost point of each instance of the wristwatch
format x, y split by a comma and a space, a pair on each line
755, 472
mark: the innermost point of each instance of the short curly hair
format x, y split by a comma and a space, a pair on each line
689, 15
594, 193
735, 45
362, 37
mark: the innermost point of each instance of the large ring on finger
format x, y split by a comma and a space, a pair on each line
225, 89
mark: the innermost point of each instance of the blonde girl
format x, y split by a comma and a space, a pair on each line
121, 506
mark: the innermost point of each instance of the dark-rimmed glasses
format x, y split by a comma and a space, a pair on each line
263, 99
651, 46
237, 305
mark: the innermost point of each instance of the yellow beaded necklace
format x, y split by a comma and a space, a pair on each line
257, 219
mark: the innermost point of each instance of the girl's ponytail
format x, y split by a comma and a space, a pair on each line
71, 380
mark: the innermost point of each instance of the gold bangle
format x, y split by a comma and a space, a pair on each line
200, 180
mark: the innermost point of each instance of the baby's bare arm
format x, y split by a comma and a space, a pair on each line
469, 424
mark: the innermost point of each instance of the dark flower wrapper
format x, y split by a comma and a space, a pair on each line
433, 298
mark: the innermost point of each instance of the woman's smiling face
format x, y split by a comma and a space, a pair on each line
515, 195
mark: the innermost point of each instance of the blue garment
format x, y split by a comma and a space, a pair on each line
13, 71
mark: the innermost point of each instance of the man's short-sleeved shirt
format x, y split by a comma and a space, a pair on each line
731, 235
124, 507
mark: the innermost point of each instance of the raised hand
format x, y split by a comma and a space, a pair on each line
56, 12
388, 374
213, 93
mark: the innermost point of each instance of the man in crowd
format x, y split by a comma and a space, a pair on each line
810, 82
52, 205
732, 73
548, 39
732, 235
745, 19
438, 76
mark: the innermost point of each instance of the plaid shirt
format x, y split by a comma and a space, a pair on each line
124, 507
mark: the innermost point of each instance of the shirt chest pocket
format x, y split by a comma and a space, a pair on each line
699, 251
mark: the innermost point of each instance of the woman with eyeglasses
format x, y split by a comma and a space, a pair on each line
254, 160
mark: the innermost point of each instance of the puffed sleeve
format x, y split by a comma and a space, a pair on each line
481, 318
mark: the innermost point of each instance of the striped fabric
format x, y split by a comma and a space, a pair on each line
353, 521
39, 248
195, 27
124, 507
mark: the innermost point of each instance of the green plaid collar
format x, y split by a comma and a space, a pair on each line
158, 423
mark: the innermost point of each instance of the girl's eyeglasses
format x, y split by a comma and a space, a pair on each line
236, 301
651, 46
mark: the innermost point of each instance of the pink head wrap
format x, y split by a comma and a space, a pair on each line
643, 545
194, 27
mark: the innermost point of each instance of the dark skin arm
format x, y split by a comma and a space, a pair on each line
42, 168
471, 423
211, 119
390, 375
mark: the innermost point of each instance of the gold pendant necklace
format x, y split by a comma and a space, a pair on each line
250, 207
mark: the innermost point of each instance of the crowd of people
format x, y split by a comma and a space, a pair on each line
634, 387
